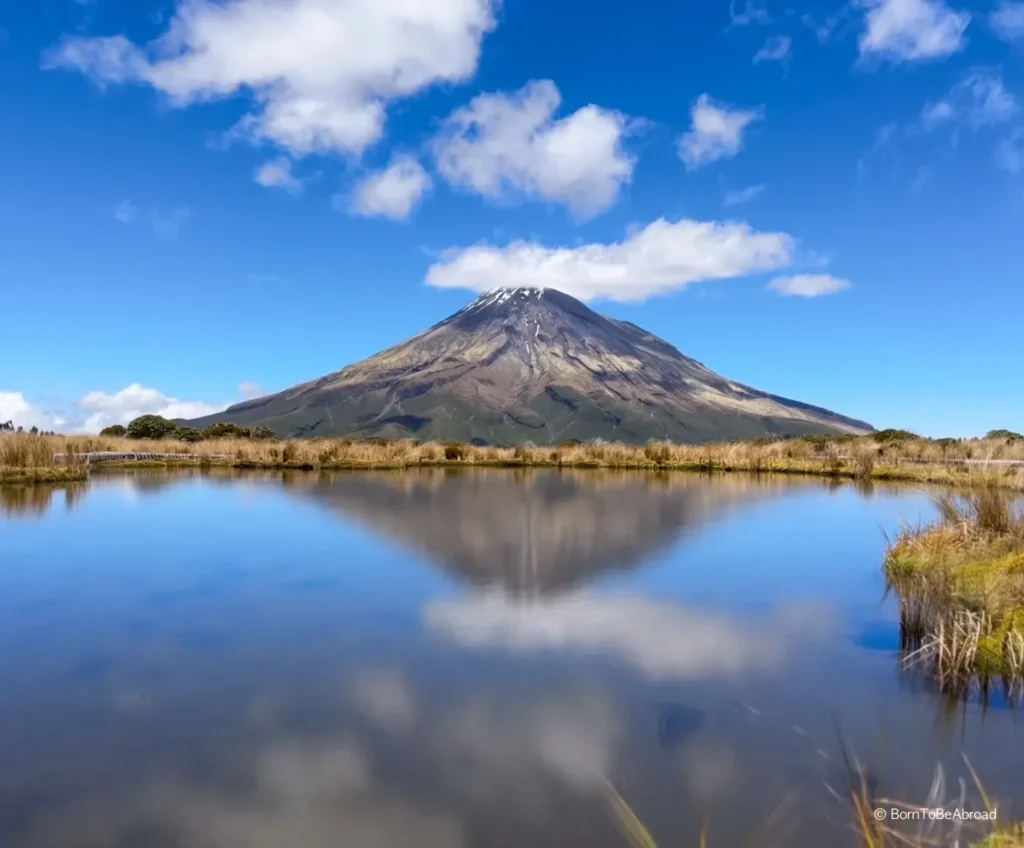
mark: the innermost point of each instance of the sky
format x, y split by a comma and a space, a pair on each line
202, 201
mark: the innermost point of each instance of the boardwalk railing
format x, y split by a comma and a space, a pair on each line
117, 456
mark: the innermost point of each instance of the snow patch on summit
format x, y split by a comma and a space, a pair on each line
498, 296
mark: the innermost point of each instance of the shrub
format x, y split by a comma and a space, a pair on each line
186, 434
263, 434
150, 427
115, 431
891, 435
225, 430
1008, 435
454, 451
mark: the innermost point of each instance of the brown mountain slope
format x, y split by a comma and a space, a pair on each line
532, 365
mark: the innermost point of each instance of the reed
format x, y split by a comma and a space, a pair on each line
870, 830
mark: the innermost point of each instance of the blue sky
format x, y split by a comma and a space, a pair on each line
208, 200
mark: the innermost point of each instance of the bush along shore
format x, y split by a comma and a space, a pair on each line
960, 584
887, 455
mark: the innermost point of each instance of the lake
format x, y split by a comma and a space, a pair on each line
440, 659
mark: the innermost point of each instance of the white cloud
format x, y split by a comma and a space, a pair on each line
661, 258
717, 132
740, 196
321, 72
512, 142
126, 212
277, 173
393, 192
1008, 21
752, 14
103, 410
775, 49
662, 640
980, 99
1010, 152
250, 389
15, 408
912, 30
807, 285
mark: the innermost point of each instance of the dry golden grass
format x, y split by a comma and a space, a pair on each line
921, 461
961, 588
863, 458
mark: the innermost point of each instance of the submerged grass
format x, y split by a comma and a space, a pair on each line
964, 462
869, 829
960, 584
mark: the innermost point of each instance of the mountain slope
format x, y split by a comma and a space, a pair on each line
532, 365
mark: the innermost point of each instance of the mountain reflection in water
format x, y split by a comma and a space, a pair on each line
536, 531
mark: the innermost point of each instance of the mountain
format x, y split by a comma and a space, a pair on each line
532, 365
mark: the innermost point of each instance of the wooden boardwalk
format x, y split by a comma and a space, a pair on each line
116, 456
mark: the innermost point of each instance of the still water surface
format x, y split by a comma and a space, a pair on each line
437, 660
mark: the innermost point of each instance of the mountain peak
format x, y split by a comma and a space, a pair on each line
511, 296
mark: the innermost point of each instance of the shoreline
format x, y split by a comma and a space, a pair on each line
26, 458
951, 474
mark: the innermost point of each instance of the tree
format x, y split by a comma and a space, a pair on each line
150, 427
894, 436
115, 430
1009, 435
185, 434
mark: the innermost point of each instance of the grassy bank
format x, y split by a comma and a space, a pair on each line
920, 460
960, 584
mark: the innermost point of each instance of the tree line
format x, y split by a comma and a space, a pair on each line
157, 427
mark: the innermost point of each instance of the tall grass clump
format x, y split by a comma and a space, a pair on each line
960, 584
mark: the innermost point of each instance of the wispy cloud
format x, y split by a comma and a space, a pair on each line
980, 99
168, 224
807, 285
250, 389
277, 173
1009, 155
775, 49
740, 196
163, 222
1008, 21
752, 14
126, 212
